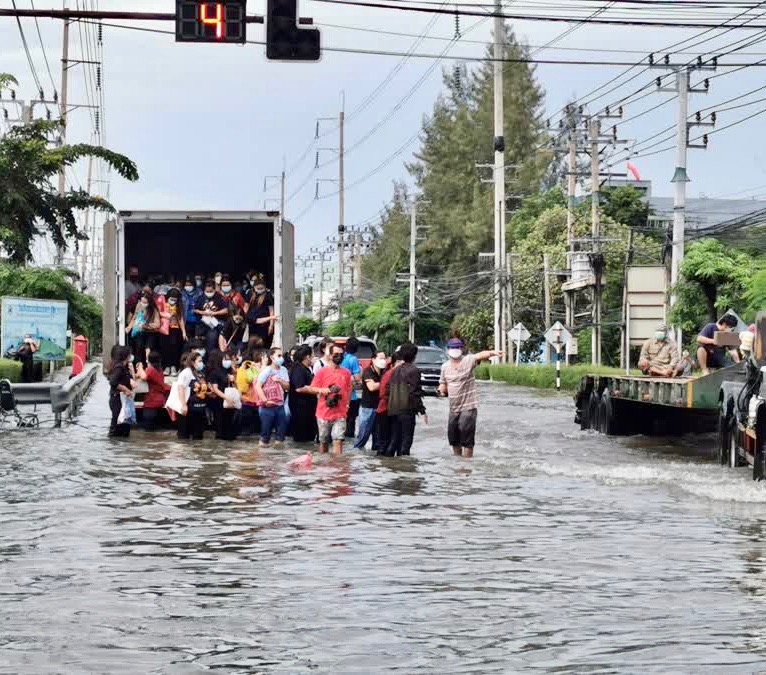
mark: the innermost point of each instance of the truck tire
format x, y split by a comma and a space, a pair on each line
759, 461
724, 424
733, 457
583, 410
609, 424
594, 411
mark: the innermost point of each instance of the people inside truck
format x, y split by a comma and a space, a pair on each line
132, 285
190, 294
120, 382
161, 286
231, 295
143, 328
659, 354
211, 309
173, 339
193, 391
233, 333
153, 414
218, 278
709, 355
260, 312
199, 281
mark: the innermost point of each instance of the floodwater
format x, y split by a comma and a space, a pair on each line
553, 550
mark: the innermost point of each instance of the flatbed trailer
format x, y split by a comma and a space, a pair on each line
730, 401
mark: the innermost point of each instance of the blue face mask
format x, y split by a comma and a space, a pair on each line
226, 364
279, 361
200, 366
198, 282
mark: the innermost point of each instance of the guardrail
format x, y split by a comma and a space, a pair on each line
64, 398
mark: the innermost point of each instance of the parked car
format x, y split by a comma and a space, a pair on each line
365, 353
430, 360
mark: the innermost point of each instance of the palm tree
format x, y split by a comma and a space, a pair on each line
30, 205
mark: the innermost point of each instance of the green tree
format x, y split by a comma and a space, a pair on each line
714, 277
54, 284
29, 203
306, 325
475, 329
626, 205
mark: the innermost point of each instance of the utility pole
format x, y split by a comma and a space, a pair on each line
594, 129
413, 244
84, 261
499, 174
547, 299
680, 177
341, 200
358, 263
64, 101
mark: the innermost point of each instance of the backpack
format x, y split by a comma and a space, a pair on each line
398, 393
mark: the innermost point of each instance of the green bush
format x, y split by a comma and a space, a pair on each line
542, 376
10, 370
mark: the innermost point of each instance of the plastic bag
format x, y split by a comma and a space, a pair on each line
302, 463
232, 393
174, 402
128, 411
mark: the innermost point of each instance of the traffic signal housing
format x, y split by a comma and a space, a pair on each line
285, 40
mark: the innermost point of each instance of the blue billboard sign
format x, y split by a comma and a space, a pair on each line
45, 321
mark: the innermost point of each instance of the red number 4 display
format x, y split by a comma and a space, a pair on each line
201, 21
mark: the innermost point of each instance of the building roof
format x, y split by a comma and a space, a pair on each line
703, 213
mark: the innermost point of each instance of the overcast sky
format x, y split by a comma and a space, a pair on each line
206, 123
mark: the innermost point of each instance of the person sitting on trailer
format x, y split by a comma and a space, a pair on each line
708, 354
659, 354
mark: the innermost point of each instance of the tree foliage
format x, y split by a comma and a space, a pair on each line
307, 325
29, 203
54, 284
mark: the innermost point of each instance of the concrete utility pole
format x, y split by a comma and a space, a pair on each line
680, 176
319, 255
357, 264
594, 129
499, 174
88, 234
413, 273
341, 200
547, 299
64, 101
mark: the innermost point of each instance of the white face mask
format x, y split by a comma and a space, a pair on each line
454, 353
380, 364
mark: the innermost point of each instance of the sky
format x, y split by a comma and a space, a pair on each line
207, 123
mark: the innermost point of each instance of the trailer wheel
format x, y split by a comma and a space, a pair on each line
759, 462
583, 410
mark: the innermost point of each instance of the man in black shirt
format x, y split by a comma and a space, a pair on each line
369, 404
405, 402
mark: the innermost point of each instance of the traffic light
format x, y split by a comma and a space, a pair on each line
285, 41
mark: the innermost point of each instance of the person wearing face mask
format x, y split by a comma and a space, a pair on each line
233, 333
218, 278
260, 311
458, 382
303, 402
210, 308
271, 385
144, 327
194, 391
709, 354
230, 294
659, 354
221, 377
120, 382
190, 295
325, 359
173, 339
132, 282
332, 385
369, 402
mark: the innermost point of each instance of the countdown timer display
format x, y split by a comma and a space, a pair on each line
200, 21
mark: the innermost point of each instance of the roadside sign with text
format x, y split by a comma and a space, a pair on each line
44, 321
519, 333
557, 335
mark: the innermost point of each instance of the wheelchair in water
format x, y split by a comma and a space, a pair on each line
10, 415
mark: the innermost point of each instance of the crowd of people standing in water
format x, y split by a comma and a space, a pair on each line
243, 388
308, 398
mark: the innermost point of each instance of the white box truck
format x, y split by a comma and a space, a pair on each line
180, 243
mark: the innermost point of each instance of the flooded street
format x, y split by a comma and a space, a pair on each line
552, 550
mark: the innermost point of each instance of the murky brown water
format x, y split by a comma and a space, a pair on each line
552, 550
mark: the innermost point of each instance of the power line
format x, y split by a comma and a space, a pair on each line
42, 47
26, 50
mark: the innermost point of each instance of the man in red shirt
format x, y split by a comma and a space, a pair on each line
332, 384
154, 402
